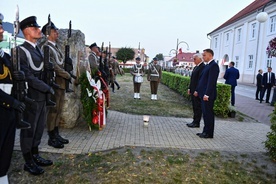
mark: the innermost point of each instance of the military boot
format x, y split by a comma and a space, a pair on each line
53, 140
61, 139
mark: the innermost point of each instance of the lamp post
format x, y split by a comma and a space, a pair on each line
177, 45
263, 16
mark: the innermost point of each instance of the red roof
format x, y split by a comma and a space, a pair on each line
253, 7
184, 56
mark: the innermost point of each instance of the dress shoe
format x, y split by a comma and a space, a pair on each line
193, 125
198, 134
32, 168
267, 102
41, 161
257, 99
118, 87
204, 135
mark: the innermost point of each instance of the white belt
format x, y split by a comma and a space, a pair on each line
156, 75
7, 88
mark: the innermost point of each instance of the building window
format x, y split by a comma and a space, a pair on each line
268, 62
250, 62
253, 30
237, 61
272, 24
239, 35
216, 43
227, 39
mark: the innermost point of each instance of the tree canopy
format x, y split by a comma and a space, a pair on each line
125, 54
160, 57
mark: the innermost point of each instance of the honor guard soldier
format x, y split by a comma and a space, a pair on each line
8, 106
93, 59
57, 58
137, 71
154, 76
31, 59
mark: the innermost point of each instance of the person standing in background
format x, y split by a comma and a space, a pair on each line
231, 75
268, 81
259, 84
154, 76
137, 71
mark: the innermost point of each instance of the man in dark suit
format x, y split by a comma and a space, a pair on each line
198, 60
31, 60
231, 75
207, 91
268, 81
259, 78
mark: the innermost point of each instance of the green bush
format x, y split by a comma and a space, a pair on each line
270, 143
180, 84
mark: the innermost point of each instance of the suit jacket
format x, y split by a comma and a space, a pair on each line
37, 88
57, 58
207, 84
231, 75
272, 78
259, 78
195, 77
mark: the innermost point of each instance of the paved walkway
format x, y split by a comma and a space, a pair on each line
169, 132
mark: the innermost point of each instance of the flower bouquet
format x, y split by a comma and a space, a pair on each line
271, 48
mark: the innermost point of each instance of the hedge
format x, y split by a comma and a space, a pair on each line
180, 84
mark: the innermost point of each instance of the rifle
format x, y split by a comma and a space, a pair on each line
19, 86
49, 66
68, 61
110, 70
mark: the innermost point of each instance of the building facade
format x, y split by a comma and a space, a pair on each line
244, 40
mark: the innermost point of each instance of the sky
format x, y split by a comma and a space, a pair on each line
156, 24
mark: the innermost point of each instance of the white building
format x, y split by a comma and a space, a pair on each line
244, 40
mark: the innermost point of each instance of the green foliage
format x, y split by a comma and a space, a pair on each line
125, 54
87, 102
160, 56
270, 143
180, 84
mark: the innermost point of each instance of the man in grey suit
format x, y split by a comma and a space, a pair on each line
198, 60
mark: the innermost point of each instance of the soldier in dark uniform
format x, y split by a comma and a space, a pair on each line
137, 71
31, 59
154, 76
53, 118
8, 105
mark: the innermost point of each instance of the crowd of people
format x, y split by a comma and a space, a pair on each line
184, 71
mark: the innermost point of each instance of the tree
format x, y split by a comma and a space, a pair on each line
160, 57
125, 54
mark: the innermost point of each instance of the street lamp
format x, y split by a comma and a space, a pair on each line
177, 45
263, 16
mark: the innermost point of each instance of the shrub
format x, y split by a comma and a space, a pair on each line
180, 84
270, 143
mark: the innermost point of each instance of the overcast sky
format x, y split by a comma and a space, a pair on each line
156, 24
